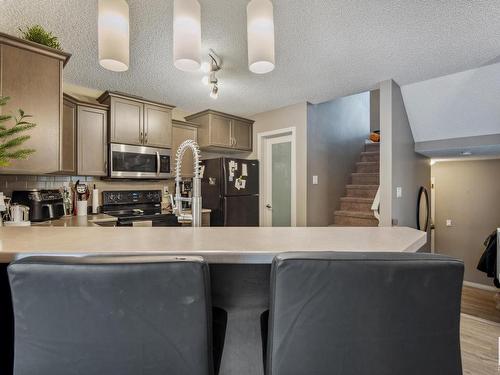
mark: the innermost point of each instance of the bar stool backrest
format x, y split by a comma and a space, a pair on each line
100, 315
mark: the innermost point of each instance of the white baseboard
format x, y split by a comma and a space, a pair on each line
481, 286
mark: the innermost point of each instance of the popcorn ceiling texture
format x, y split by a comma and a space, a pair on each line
324, 48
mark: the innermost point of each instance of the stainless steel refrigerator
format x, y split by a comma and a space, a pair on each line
230, 188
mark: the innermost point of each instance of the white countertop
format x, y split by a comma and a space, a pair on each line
215, 244
91, 220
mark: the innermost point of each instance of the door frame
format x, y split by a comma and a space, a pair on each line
262, 138
433, 215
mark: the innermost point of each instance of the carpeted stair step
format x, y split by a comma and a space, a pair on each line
361, 191
369, 147
356, 204
365, 178
357, 219
370, 156
368, 167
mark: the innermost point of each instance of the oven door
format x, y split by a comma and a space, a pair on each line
138, 162
160, 221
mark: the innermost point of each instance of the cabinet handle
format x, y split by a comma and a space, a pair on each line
141, 137
158, 163
146, 138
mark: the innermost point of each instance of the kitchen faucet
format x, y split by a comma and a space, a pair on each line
195, 215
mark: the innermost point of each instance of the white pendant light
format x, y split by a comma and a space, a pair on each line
187, 35
113, 30
260, 33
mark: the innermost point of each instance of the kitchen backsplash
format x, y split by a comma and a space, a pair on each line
8, 183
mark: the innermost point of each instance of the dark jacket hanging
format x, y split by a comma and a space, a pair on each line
488, 261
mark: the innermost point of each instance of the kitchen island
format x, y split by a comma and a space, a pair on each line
231, 245
239, 259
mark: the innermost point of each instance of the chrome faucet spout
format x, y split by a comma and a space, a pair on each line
195, 199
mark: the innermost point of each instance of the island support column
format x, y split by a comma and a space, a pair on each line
243, 291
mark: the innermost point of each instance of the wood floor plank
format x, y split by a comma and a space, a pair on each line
480, 303
479, 344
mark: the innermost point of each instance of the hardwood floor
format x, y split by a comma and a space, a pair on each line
479, 344
480, 303
479, 332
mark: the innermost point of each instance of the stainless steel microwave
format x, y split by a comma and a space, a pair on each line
128, 161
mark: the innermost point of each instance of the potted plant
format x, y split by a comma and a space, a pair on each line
38, 34
11, 138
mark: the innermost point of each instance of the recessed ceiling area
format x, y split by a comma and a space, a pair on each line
324, 48
456, 114
465, 104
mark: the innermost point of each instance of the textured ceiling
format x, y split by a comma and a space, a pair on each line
324, 48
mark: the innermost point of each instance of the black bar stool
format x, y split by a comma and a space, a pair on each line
124, 315
364, 314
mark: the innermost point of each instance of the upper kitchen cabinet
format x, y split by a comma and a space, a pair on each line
89, 118
137, 121
222, 131
157, 126
182, 131
32, 75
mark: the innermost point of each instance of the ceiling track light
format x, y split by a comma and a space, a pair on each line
214, 92
211, 67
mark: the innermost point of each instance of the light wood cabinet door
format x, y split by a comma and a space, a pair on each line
157, 126
34, 83
92, 141
241, 133
220, 131
127, 119
67, 163
181, 133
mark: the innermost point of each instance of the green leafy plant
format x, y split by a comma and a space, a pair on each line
38, 34
10, 138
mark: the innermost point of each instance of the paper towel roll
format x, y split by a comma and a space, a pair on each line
95, 201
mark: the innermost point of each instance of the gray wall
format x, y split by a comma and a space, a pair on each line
410, 170
468, 193
374, 110
400, 165
336, 131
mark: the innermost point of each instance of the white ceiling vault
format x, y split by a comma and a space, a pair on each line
324, 48
465, 104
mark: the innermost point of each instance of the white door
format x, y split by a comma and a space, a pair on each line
278, 200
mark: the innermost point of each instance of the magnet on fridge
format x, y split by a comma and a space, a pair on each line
244, 169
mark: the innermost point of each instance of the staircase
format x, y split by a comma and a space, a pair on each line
355, 207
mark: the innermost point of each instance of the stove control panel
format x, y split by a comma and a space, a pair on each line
121, 197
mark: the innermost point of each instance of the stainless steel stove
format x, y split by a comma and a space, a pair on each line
134, 206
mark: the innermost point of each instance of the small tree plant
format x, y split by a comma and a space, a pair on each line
11, 139
38, 34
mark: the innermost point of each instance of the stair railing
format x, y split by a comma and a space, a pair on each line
376, 205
